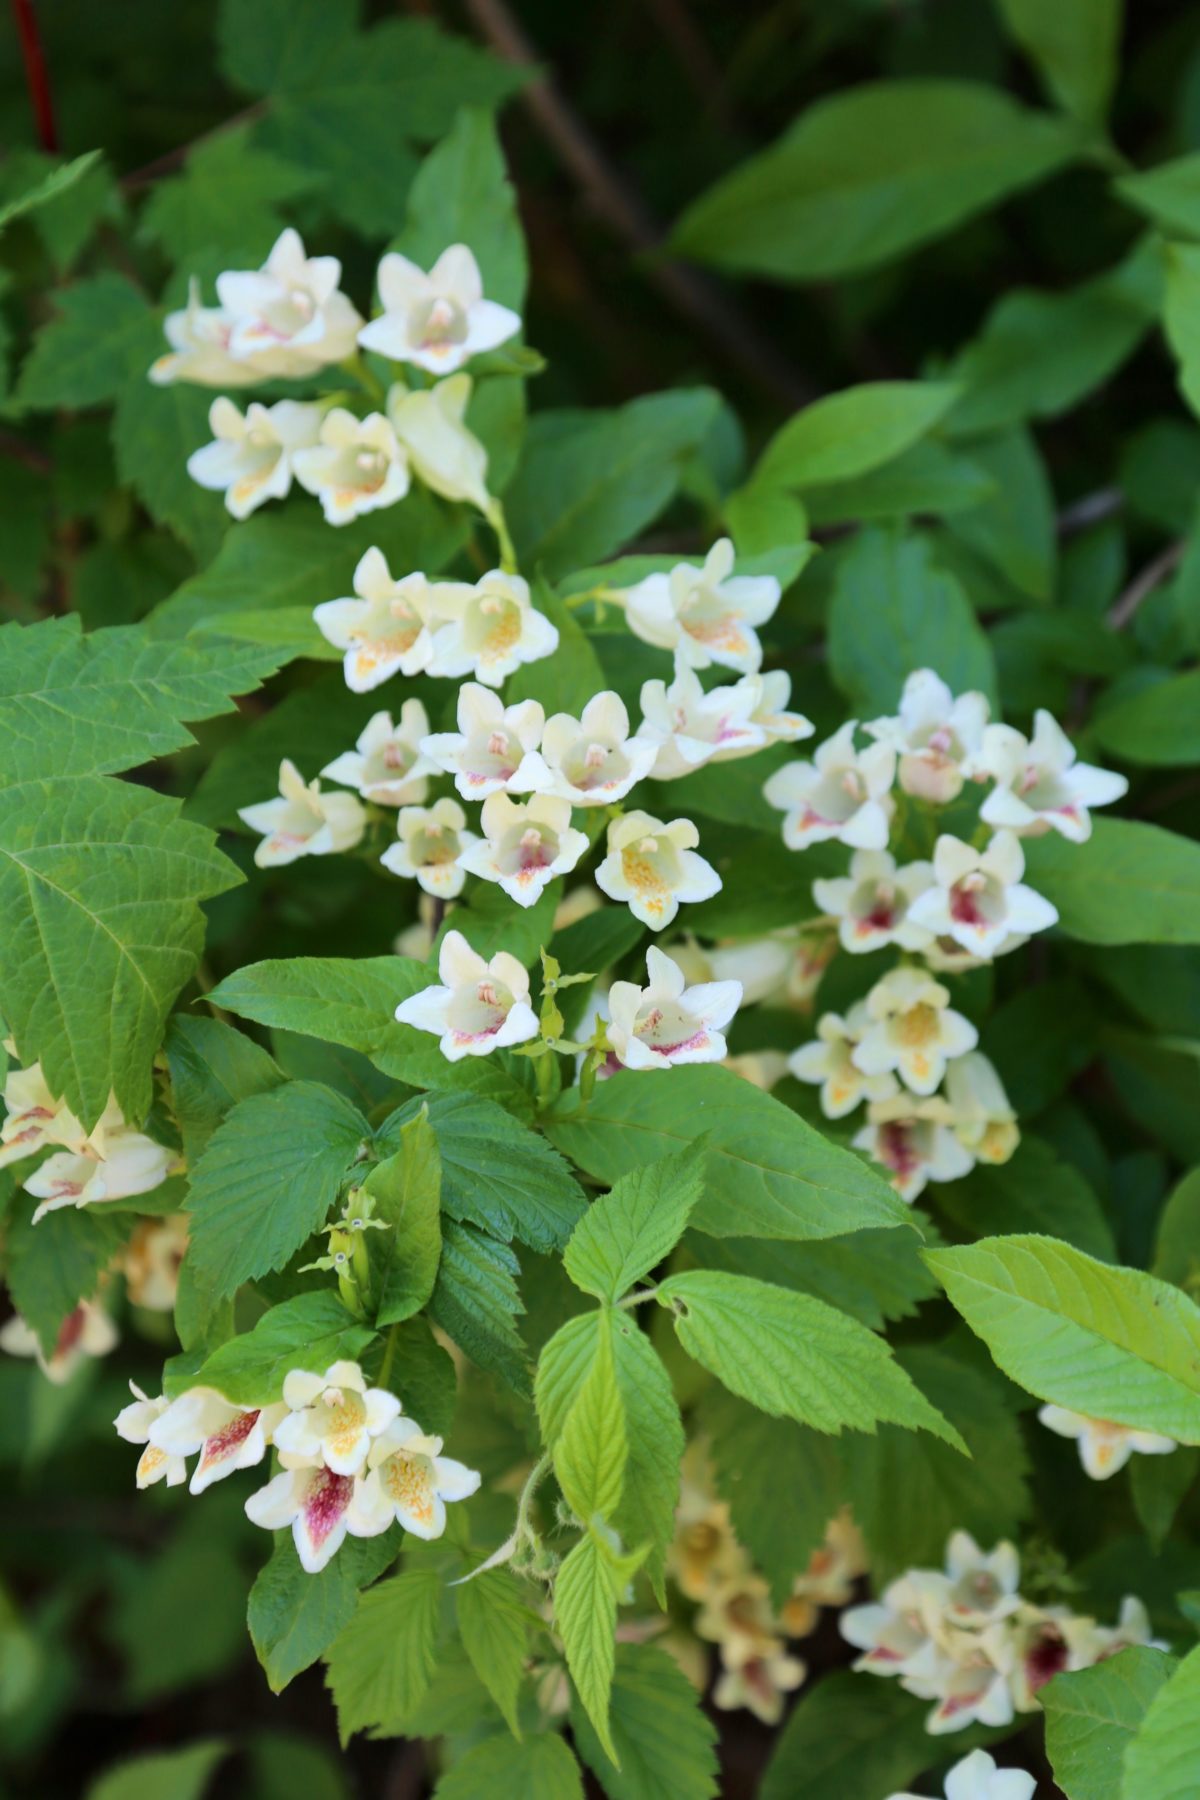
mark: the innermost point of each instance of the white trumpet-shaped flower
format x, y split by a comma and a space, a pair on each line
199, 338
1104, 1447
654, 867
976, 1777
667, 1022
289, 317
871, 903
494, 750
87, 1330
828, 1061
35, 1118
117, 1164
978, 898
983, 1118
431, 844
525, 844
356, 467
842, 793
409, 1480
936, 737
592, 760
430, 426
707, 614
1039, 785
303, 821
319, 1505
227, 1436
912, 1030
913, 1139
760, 1683
437, 320
491, 628
332, 1418
768, 714
251, 457
133, 1423
689, 727
386, 630
387, 764
480, 1006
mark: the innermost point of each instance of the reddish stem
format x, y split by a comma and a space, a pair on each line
36, 76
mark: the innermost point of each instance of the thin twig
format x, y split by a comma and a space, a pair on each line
1089, 510
1143, 585
19, 451
700, 67
37, 77
714, 312
174, 159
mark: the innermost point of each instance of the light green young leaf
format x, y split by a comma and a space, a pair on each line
663, 1738
406, 1191
768, 1174
793, 1356
381, 1664
475, 1301
100, 888
268, 1179
1111, 1343
868, 174
103, 335
893, 611
167, 1775
1093, 1715
294, 1616
1074, 44
1162, 1760
1131, 883
845, 434
587, 1589
592, 1448
628, 1232
494, 1624
309, 1332
541, 1768
49, 188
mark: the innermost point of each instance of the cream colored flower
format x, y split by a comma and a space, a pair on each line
35, 1118
410, 1480
666, 1022
871, 903
654, 868
978, 1778
227, 1436
356, 467
319, 1505
491, 629
525, 844
251, 458
760, 1684
115, 1163
133, 1424
388, 765
843, 793
913, 1030
1104, 1447
494, 750
983, 1119
978, 897
437, 320
385, 631
86, 1331
707, 614
431, 843
1039, 785
332, 1418
289, 317
937, 738
199, 339
430, 426
829, 1061
592, 760
914, 1140
480, 1006
769, 695
688, 726
151, 1261
303, 821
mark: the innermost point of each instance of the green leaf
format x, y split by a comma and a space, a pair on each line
868, 174
57, 182
1131, 883
1181, 316
928, 478
588, 482
500, 1175
475, 1301
768, 1174
353, 1001
1177, 1252
793, 1356
461, 194
1014, 528
1039, 354
494, 1624
1034, 1191
223, 210
1074, 44
625, 1234
893, 611
845, 434
268, 1179
592, 1447
75, 705
542, 1768
1161, 1762
1093, 1715
663, 1739
155, 430
381, 1664
1158, 725
1168, 194
1111, 1343
100, 888
196, 1576
406, 1191
53, 1265
872, 1274
586, 1590
309, 1332
422, 1374
212, 1067
169, 1775
1159, 1485
294, 1616
845, 1738
102, 336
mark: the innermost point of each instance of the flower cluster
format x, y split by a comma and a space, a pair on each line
735, 1613
350, 1461
110, 1162
965, 1638
955, 909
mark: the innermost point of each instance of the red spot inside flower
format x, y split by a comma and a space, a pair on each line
327, 1500
880, 918
228, 1440
897, 1151
69, 1332
964, 906
1048, 1658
